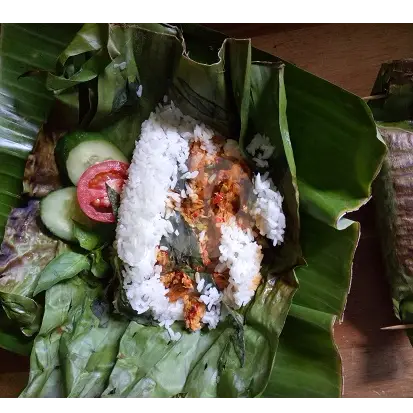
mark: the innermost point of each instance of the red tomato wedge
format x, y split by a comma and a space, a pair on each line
91, 189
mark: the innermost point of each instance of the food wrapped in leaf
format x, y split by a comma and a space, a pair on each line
393, 109
200, 216
208, 233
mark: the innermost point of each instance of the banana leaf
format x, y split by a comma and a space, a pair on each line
25, 251
393, 92
333, 178
24, 106
76, 347
204, 364
331, 182
11, 338
231, 96
311, 366
41, 174
25, 102
331, 137
392, 106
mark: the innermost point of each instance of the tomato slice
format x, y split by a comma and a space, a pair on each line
91, 189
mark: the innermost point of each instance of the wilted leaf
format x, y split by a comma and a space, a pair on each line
150, 365
23, 311
76, 347
25, 251
11, 337
114, 199
41, 175
238, 337
393, 92
393, 188
100, 267
63, 267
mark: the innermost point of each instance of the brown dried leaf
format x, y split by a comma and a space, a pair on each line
41, 175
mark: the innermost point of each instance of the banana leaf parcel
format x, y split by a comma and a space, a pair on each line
393, 110
108, 78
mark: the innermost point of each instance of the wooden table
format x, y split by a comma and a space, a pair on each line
375, 363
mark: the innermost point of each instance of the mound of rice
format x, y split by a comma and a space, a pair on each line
147, 201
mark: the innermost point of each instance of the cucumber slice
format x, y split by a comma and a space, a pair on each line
77, 151
87, 154
58, 211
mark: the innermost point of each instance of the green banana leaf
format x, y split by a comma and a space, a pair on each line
25, 102
311, 366
204, 364
392, 106
76, 347
24, 106
11, 337
332, 136
333, 178
331, 182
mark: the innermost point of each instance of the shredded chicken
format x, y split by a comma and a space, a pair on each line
221, 280
178, 283
221, 191
194, 310
218, 193
162, 258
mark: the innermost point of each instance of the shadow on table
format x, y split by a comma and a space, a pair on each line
14, 373
13, 363
369, 306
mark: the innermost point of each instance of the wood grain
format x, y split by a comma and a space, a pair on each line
348, 55
376, 363
247, 30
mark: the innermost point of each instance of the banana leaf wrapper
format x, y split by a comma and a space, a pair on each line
393, 192
238, 90
230, 96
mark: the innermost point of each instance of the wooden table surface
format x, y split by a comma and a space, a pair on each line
375, 363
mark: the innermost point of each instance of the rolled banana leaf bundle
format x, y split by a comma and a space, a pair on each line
392, 107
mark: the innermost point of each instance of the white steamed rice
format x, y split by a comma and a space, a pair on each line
261, 150
242, 255
267, 210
